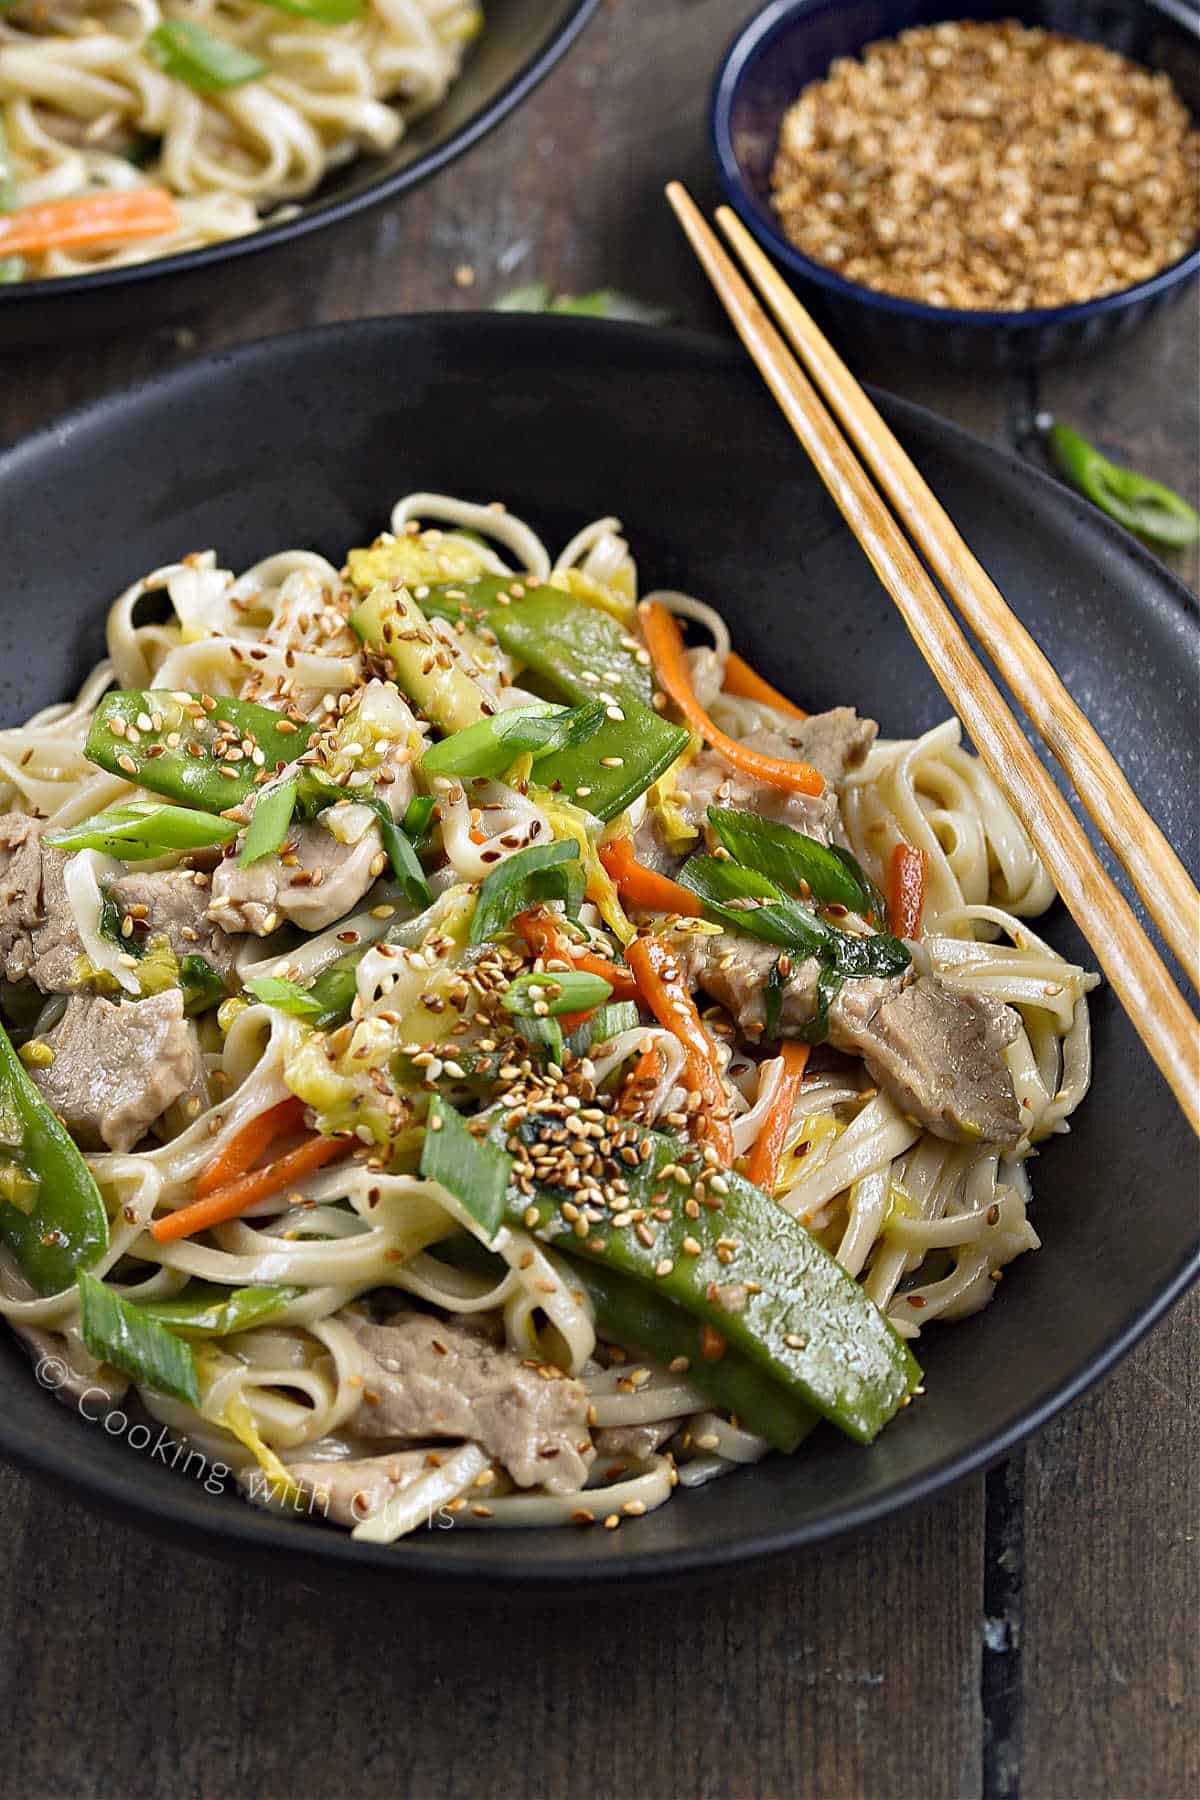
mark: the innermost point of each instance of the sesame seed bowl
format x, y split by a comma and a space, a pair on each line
791, 44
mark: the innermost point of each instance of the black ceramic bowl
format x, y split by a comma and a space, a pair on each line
307, 440
792, 42
521, 42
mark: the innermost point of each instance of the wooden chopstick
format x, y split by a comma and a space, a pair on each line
1157, 873
1132, 964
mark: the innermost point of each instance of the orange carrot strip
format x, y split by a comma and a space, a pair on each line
665, 993
906, 890
771, 1142
247, 1145
642, 1077
87, 219
541, 932
666, 648
748, 684
644, 887
227, 1202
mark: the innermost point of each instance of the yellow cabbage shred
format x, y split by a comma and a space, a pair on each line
620, 603
413, 560
567, 821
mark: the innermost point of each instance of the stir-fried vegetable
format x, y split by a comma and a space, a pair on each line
524, 879
121, 1334
906, 889
798, 863
603, 303
758, 1281
202, 987
247, 1145
324, 12
743, 900
391, 624
288, 996
102, 218
180, 745
491, 746
572, 991
204, 1309
51, 1214
186, 51
138, 829
762, 1168
742, 680
473, 1170
1136, 501
664, 991
259, 1184
666, 647
545, 935
645, 889
269, 821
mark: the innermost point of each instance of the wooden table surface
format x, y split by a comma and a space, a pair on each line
1034, 1632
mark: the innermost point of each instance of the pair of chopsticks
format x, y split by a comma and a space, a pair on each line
1157, 1010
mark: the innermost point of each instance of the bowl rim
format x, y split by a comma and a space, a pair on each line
753, 38
314, 216
251, 1533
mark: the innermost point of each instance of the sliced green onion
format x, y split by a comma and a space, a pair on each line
400, 853
1134, 500
791, 858
489, 747
603, 303
143, 828
417, 818
205, 1309
124, 1335
474, 1171
542, 1034
268, 827
568, 991
274, 990
527, 878
773, 993
603, 1025
324, 12
745, 901
190, 54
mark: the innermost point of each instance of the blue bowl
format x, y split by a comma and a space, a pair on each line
793, 42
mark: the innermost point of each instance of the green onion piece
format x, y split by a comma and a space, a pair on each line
773, 994
542, 1034
418, 818
190, 54
403, 858
527, 878
269, 822
474, 1171
143, 828
790, 857
118, 1332
565, 991
324, 12
603, 1025
489, 747
1136, 501
205, 1309
274, 990
202, 987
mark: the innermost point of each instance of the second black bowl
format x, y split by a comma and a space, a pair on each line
793, 42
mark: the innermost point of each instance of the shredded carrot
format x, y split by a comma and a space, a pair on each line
666, 648
228, 1201
542, 933
247, 1145
748, 684
645, 888
103, 218
771, 1142
476, 836
665, 993
906, 890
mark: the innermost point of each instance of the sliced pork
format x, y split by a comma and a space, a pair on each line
117, 1068
313, 881
428, 1378
833, 742
173, 903
38, 937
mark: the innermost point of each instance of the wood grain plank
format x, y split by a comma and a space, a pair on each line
1112, 1583
851, 1672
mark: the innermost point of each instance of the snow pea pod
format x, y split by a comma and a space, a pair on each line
51, 1214
139, 829
199, 750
